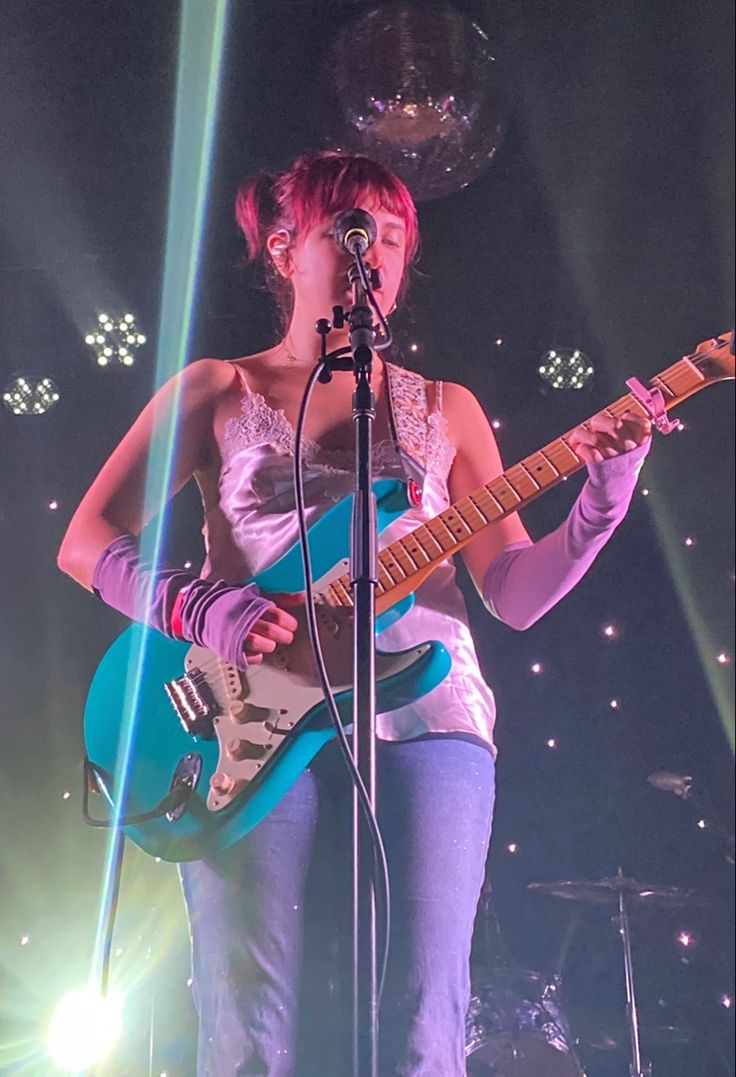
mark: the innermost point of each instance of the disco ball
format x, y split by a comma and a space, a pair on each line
417, 87
566, 368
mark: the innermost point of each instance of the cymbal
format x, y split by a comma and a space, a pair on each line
606, 892
616, 1039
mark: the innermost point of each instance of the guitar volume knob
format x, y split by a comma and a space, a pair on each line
222, 783
236, 708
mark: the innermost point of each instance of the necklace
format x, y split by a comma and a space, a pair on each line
290, 357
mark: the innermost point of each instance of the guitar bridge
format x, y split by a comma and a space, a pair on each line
194, 703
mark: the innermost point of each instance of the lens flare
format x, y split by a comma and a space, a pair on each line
84, 1028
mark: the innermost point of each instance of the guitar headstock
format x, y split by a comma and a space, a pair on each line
714, 358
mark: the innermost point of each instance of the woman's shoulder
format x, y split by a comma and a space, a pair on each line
213, 377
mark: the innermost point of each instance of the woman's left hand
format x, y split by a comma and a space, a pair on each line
603, 437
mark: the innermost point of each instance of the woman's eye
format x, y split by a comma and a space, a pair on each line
391, 243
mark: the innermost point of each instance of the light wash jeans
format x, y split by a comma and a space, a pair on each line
270, 920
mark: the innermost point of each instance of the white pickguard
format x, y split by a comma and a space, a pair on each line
259, 707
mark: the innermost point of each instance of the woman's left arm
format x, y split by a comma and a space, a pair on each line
520, 580
477, 461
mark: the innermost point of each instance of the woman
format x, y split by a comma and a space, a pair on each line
265, 914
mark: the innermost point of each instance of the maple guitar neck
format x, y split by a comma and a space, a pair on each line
406, 562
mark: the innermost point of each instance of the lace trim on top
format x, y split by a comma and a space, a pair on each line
423, 436
260, 424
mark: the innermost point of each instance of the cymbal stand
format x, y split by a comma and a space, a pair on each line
636, 1068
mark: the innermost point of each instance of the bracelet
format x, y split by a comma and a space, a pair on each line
177, 629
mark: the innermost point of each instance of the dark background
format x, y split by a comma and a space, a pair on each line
605, 221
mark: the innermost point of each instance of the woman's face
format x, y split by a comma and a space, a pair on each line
318, 268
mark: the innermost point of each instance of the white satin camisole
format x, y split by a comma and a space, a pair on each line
251, 523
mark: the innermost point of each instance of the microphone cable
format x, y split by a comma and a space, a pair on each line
380, 862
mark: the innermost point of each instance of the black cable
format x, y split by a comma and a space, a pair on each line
176, 796
380, 862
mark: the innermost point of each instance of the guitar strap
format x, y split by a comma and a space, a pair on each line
407, 415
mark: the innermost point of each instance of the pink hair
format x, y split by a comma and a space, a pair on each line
316, 186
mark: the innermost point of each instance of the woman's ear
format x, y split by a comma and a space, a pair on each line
277, 246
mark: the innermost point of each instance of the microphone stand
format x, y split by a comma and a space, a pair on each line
364, 579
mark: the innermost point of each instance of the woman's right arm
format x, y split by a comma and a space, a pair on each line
100, 548
114, 505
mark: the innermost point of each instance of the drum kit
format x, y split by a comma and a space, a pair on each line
516, 1026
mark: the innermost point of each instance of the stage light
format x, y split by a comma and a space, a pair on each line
115, 339
723, 659
610, 631
614, 704
566, 368
26, 397
726, 1001
536, 667
84, 1029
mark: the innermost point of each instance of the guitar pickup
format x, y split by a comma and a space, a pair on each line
194, 703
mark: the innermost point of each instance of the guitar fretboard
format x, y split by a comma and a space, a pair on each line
407, 561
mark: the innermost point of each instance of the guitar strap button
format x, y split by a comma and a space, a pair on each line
415, 494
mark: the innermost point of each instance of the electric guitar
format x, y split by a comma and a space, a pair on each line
190, 753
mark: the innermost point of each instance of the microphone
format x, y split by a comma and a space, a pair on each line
679, 784
354, 230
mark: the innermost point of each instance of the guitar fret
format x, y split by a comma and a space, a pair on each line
499, 489
689, 367
499, 505
329, 596
573, 464
384, 576
524, 483
424, 537
413, 550
390, 563
417, 547
474, 499
541, 468
662, 384
403, 557
341, 586
444, 541
455, 524
466, 504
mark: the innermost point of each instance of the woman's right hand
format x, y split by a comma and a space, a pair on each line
276, 627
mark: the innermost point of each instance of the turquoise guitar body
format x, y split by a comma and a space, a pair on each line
141, 739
